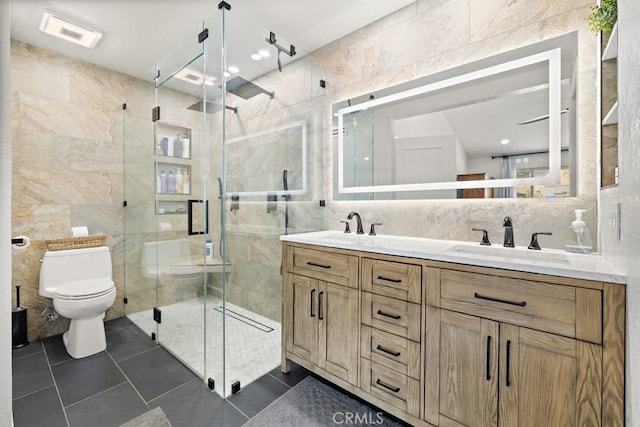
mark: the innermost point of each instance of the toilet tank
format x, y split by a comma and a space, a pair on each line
71, 265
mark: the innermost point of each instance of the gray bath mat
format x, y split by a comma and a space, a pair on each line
152, 418
311, 403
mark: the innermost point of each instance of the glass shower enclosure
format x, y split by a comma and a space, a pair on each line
223, 154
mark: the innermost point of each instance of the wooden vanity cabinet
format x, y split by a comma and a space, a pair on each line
518, 352
321, 319
437, 343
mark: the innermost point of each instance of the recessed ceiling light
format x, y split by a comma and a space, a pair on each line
504, 141
256, 57
63, 28
227, 74
264, 53
233, 69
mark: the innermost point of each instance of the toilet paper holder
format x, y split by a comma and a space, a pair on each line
18, 241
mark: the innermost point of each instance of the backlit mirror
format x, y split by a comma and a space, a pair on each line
503, 127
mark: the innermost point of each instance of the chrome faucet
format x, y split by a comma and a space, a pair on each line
359, 229
508, 232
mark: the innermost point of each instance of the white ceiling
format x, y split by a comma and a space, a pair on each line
139, 32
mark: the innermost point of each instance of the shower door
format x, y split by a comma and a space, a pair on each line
232, 160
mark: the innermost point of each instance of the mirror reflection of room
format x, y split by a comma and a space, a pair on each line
494, 127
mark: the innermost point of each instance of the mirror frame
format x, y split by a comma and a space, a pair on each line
552, 56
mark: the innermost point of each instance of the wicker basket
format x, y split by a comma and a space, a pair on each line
64, 243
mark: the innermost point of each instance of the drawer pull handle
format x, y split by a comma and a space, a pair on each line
384, 350
382, 313
386, 279
508, 381
504, 301
313, 291
320, 315
388, 387
489, 358
314, 264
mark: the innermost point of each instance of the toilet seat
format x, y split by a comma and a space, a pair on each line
84, 289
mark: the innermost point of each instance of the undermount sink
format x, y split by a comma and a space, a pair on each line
511, 253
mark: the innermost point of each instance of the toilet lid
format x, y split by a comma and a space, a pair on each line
84, 288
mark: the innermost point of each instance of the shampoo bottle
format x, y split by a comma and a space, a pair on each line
179, 182
208, 250
171, 183
186, 146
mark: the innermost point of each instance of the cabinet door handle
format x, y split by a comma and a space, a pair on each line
508, 380
387, 279
382, 313
488, 357
504, 301
388, 387
313, 291
384, 350
320, 315
315, 264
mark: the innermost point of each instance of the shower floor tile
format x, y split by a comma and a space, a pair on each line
252, 341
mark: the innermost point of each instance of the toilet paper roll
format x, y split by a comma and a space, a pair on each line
79, 231
22, 247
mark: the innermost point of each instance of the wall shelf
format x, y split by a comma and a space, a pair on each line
609, 109
612, 116
611, 51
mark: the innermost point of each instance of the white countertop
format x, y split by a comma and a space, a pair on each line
546, 261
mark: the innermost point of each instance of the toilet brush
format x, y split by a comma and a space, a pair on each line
19, 323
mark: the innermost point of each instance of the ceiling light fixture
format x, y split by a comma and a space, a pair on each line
63, 28
264, 53
190, 76
256, 56
504, 141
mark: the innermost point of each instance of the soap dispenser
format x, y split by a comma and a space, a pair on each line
581, 241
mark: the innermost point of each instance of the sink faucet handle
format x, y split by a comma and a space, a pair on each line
534, 240
485, 237
372, 231
346, 226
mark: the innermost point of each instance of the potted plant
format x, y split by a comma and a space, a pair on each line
603, 16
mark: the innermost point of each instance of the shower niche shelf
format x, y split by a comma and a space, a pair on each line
171, 207
173, 141
173, 179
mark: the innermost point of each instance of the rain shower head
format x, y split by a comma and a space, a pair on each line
246, 89
211, 107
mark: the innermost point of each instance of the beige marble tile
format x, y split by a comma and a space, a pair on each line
64, 187
40, 114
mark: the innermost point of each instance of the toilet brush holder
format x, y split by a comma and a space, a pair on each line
19, 323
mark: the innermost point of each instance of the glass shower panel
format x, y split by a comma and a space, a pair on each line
181, 205
139, 193
273, 143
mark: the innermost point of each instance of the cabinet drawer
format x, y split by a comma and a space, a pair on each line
398, 353
323, 265
391, 315
392, 279
543, 306
386, 384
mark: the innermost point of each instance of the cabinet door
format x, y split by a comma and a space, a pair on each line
468, 370
338, 331
302, 313
548, 380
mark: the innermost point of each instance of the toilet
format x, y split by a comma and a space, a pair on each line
80, 282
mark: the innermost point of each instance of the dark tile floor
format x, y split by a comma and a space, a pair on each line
132, 376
